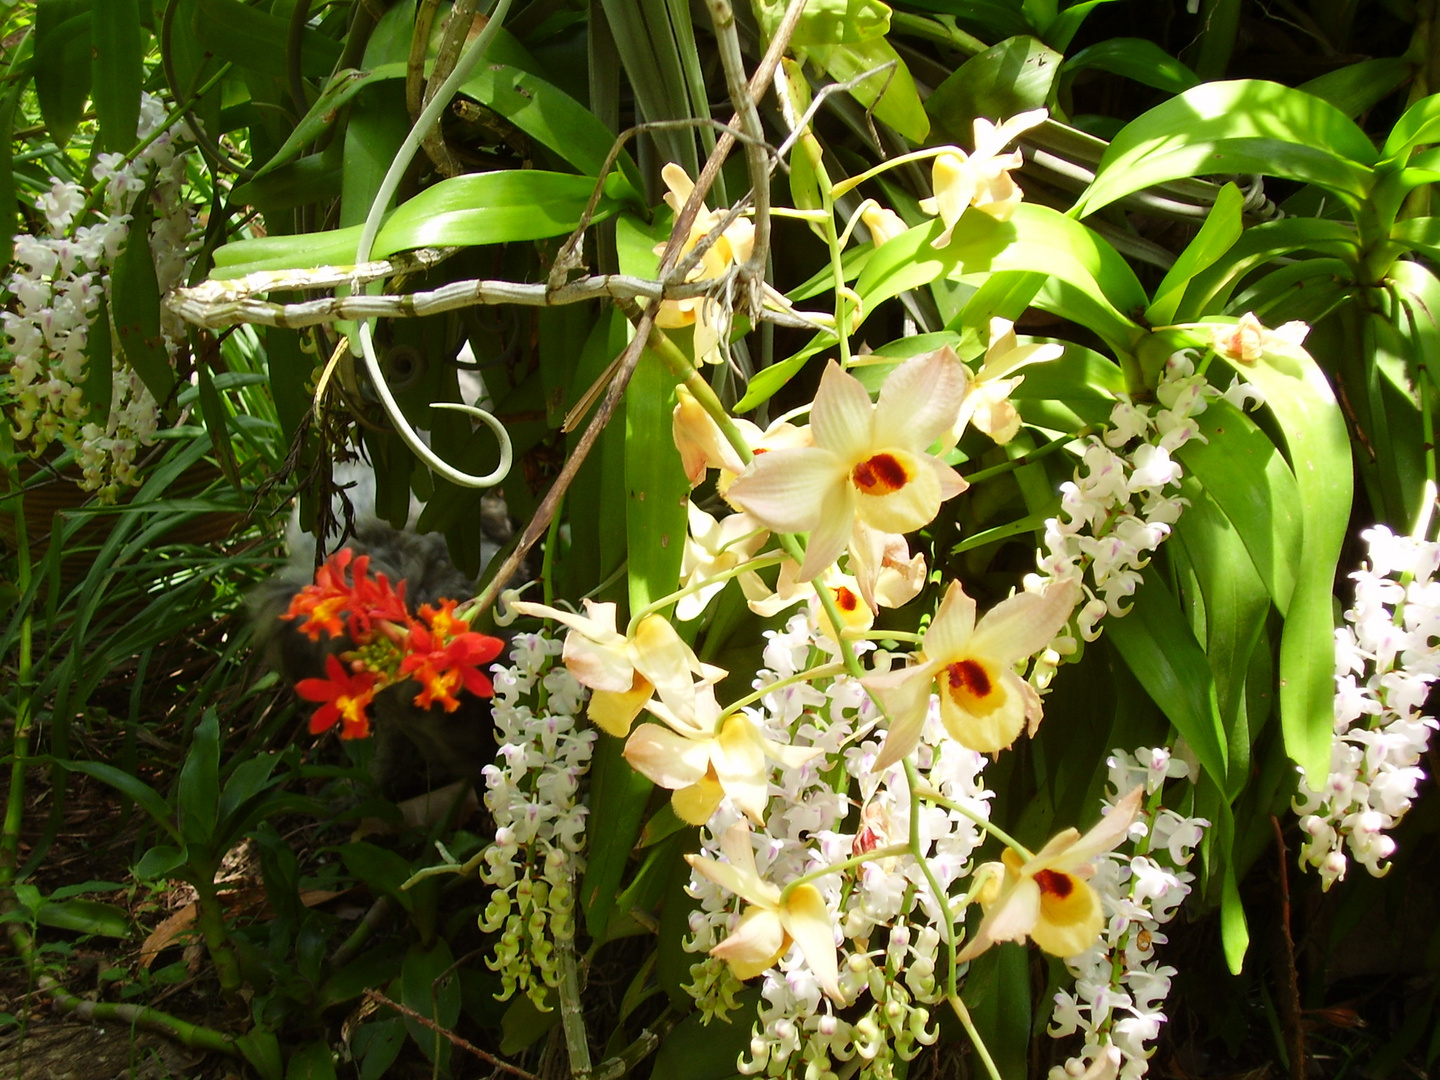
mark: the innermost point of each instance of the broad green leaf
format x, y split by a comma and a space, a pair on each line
1358, 87
377, 1044
431, 987
1236, 604
827, 22
383, 872
1419, 234
132, 787
1161, 651
1245, 126
700, 1051
85, 917
618, 796
1079, 388
889, 94
1135, 58
252, 38
1066, 24
768, 382
1210, 56
524, 1024
262, 1050
553, 118
160, 861
99, 364
1419, 125
135, 300
374, 133
338, 91
307, 180
1222, 228
249, 779
993, 19
475, 209
198, 794
656, 488
997, 992
1009, 78
313, 1061
1303, 404
1210, 289
62, 64
1255, 490
119, 50
909, 262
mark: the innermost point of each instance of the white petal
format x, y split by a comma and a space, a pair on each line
831, 533
949, 635
807, 920
785, 490
840, 419
920, 400
667, 759
1024, 624
905, 695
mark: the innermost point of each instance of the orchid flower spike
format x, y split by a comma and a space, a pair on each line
981, 179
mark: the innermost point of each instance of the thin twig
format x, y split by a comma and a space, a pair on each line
424, 1021
1290, 988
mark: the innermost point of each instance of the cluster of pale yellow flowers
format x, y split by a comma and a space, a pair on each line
855, 479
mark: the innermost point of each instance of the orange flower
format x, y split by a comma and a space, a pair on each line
366, 600
442, 667
344, 696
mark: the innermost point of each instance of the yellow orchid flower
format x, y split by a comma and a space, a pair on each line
702, 758
869, 462
980, 179
1047, 898
623, 673
987, 406
770, 924
983, 702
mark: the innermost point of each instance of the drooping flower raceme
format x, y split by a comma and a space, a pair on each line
869, 462
1120, 986
533, 792
1386, 657
60, 278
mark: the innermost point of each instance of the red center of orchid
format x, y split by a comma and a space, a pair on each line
846, 600
880, 475
971, 677
1054, 883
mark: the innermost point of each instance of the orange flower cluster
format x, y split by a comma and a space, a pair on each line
390, 645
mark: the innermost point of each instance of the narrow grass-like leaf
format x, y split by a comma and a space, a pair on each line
135, 294
1245, 126
132, 787
252, 38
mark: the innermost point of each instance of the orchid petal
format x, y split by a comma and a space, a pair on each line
785, 490
831, 533
910, 505
696, 804
990, 730
662, 657
599, 666
667, 759
614, 711
905, 695
1106, 833
919, 400
738, 752
1070, 917
1025, 623
807, 920
840, 419
756, 944
949, 634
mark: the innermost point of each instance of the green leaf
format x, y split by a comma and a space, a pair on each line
431, 987
8, 105
1359, 87
1255, 490
99, 364
62, 64
1222, 228
85, 917
160, 861
1008, 78
217, 422
198, 795
656, 488
1079, 388
132, 787
553, 118
262, 1050
475, 209
889, 94
700, 1051
383, 872
119, 50
338, 91
523, 1024
249, 779
1420, 124
135, 296
1159, 648
827, 22
253, 39
997, 992
1245, 126
1066, 24
618, 796
313, 1061
1303, 404
1138, 59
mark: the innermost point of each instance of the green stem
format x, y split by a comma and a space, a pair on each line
759, 562
947, 919
822, 672
891, 851
210, 915
1030, 455
201, 1038
930, 795
24, 700
963, 1014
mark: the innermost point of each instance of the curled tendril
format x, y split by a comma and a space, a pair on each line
411, 437
472, 55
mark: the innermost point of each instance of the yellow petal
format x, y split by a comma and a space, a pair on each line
899, 492
1070, 916
695, 804
756, 945
615, 710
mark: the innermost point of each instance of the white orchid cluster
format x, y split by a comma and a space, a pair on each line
1122, 502
55, 291
881, 911
533, 793
1386, 657
1120, 986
